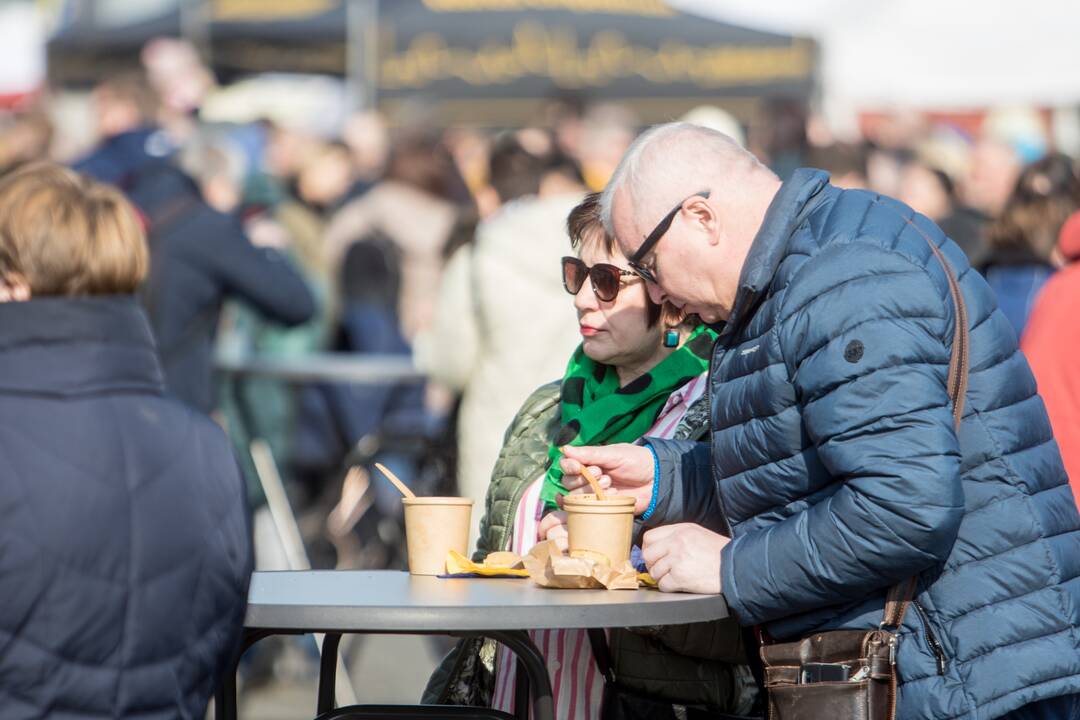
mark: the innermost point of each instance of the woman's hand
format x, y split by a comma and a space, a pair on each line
553, 528
624, 468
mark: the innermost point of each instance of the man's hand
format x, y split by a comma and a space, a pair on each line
553, 528
684, 558
625, 469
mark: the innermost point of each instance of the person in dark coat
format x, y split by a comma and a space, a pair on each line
126, 550
125, 109
199, 256
834, 466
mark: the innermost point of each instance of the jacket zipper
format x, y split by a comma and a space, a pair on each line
709, 440
931, 638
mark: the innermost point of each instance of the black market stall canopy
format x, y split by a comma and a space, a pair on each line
300, 36
488, 58
480, 61
98, 37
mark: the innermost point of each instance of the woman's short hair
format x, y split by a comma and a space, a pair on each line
1047, 192
69, 235
585, 227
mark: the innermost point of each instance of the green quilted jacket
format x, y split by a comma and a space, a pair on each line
699, 664
523, 458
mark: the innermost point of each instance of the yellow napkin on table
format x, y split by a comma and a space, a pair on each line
647, 580
496, 564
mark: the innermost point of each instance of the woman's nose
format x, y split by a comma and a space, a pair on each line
586, 297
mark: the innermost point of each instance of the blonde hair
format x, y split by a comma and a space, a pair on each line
69, 235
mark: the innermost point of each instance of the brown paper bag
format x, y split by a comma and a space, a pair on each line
548, 567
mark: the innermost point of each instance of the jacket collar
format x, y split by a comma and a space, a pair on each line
795, 199
77, 346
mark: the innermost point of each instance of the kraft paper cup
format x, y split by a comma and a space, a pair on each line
602, 526
433, 527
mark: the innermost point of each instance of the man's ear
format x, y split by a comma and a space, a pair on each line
704, 217
14, 288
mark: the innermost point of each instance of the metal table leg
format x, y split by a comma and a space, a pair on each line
529, 655
225, 696
328, 672
531, 668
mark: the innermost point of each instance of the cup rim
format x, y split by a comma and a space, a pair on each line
589, 500
437, 501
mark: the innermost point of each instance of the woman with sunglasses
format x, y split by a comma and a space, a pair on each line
640, 371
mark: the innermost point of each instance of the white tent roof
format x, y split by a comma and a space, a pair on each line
22, 39
939, 54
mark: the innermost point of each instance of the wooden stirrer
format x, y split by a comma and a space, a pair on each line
593, 482
402, 487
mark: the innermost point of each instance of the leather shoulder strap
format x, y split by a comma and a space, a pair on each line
901, 594
960, 359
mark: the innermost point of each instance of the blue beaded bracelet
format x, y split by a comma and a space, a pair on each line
655, 484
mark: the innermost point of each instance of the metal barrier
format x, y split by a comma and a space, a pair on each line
312, 367
323, 367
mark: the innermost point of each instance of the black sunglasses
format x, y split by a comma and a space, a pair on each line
606, 279
634, 261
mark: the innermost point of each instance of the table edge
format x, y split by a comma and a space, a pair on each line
405, 620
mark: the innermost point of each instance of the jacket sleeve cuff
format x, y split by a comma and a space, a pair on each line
669, 501
685, 492
730, 589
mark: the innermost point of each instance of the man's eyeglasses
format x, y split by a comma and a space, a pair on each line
606, 279
634, 261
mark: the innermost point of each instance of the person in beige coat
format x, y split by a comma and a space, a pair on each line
503, 326
412, 207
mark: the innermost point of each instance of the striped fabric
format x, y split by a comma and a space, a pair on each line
577, 684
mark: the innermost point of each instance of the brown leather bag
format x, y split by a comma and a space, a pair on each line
851, 674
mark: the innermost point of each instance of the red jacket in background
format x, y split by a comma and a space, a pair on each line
1052, 344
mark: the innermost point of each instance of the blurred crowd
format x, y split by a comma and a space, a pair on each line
444, 246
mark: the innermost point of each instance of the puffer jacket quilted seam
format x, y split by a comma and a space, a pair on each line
825, 291
131, 569
988, 506
1021, 486
752, 468
967, 660
855, 326
953, 569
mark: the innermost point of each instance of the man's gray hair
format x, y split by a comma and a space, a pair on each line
709, 145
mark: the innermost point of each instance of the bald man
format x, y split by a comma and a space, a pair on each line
835, 468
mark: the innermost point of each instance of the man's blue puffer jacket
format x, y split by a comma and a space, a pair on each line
837, 467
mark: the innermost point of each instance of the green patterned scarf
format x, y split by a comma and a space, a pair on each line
596, 411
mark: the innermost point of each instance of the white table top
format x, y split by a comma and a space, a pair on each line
391, 601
